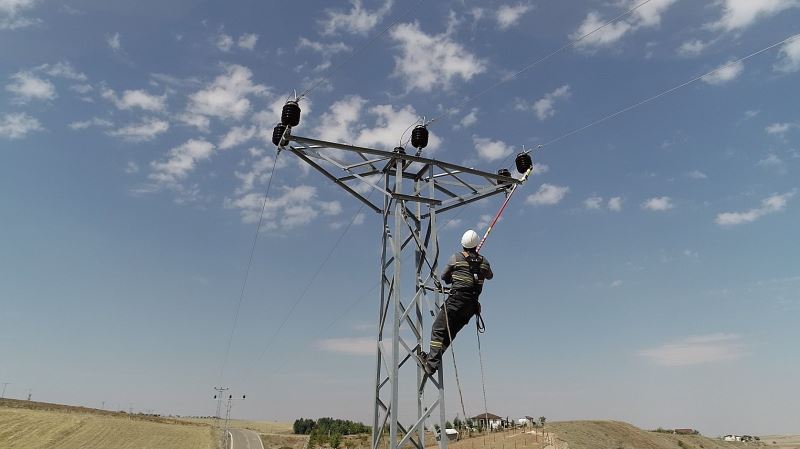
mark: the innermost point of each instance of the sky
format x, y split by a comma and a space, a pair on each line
647, 271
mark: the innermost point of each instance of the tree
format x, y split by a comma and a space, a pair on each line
457, 423
542, 419
335, 440
448, 425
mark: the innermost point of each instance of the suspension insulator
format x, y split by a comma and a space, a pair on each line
290, 115
277, 135
523, 162
400, 150
503, 172
419, 137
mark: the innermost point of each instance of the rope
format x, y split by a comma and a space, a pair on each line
249, 264
455, 366
483, 379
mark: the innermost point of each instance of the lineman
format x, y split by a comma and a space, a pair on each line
465, 271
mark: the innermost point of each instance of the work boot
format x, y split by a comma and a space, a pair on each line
426, 365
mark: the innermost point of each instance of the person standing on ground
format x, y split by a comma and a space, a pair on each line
465, 272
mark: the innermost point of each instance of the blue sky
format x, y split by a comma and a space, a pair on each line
647, 272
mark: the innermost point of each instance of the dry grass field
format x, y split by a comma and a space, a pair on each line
620, 435
782, 441
50, 426
266, 427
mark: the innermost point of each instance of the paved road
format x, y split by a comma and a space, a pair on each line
245, 439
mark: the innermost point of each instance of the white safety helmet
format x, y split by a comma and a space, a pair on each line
470, 239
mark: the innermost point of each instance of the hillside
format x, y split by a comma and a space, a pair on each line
620, 435
34, 425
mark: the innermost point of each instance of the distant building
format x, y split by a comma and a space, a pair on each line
488, 420
452, 435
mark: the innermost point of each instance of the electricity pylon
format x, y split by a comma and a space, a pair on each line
414, 190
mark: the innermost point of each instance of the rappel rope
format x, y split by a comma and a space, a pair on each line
455, 366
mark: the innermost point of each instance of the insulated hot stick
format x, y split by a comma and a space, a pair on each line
524, 165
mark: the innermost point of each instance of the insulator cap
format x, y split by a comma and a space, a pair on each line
290, 115
503, 172
277, 134
419, 137
400, 150
523, 162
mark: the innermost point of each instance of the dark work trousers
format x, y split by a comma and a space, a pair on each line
459, 308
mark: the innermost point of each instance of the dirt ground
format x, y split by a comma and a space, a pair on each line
69, 429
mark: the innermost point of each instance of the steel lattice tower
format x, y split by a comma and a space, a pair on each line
414, 190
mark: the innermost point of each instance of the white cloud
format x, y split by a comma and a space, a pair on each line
180, 161
147, 129
738, 14
26, 87
11, 14
648, 15
18, 125
82, 89
691, 254
335, 125
772, 204
351, 346
131, 168
389, 125
483, 222
468, 120
248, 41
593, 202
237, 136
136, 99
773, 162
62, 69
227, 96
660, 203
697, 174
430, 61
356, 21
198, 121
92, 122
296, 206
697, 350
789, 56
616, 284
545, 106
508, 15
615, 203
778, 128
224, 42
491, 150
547, 195
114, 42
259, 170
327, 50
724, 73
692, 48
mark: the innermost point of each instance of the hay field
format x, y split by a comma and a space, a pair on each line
266, 427
47, 429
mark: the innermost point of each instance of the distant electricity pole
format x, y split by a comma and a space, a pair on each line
3, 394
218, 397
227, 419
29, 394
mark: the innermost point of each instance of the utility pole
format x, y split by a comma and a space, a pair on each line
3, 394
29, 394
218, 397
413, 190
227, 420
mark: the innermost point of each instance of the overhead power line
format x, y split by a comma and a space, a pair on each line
371, 41
249, 265
669, 91
533, 64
